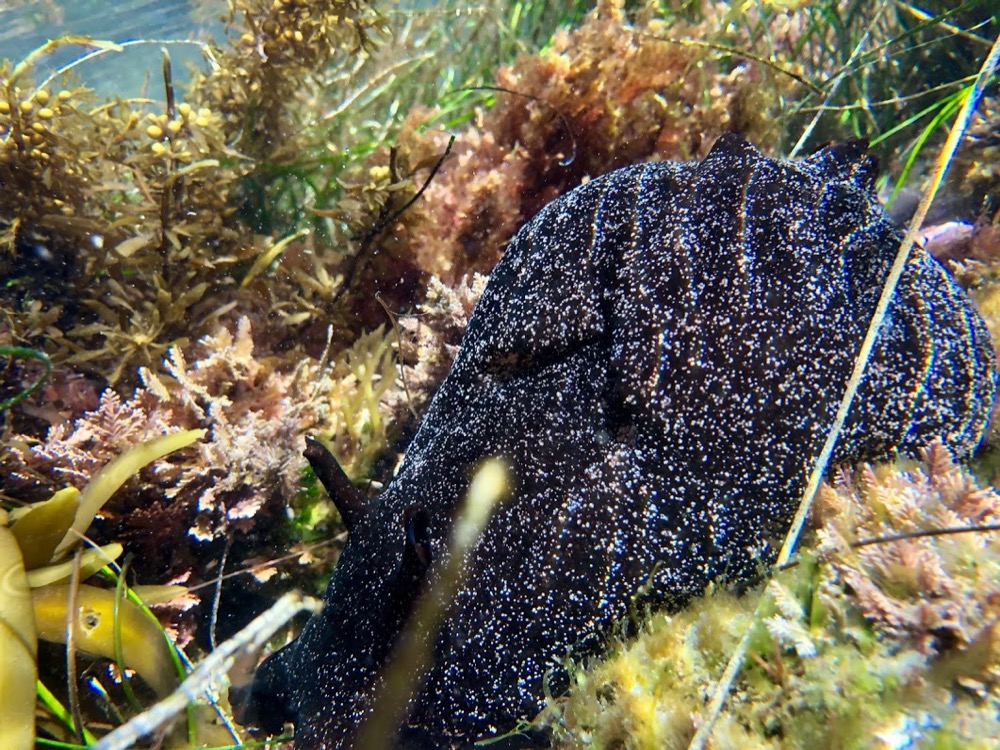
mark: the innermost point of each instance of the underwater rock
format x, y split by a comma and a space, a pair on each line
658, 357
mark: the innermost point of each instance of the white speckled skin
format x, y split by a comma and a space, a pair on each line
659, 356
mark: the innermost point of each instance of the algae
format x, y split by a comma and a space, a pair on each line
873, 639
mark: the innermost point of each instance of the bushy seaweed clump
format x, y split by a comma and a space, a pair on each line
610, 92
121, 226
125, 237
277, 48
871, 641
254, 411
127, 254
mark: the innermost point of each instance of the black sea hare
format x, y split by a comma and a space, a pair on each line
658, 356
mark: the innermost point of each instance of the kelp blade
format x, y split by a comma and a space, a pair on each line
18, 646
113, 475
144, 645
40, 530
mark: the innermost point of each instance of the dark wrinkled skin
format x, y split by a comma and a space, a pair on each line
659, 357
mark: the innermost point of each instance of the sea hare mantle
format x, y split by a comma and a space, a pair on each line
658, 357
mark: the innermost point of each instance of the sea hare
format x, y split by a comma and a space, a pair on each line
658, 357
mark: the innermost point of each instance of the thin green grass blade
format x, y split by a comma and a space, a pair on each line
23, 352
58, 710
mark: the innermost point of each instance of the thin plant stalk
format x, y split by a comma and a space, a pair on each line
71, 674
490, 485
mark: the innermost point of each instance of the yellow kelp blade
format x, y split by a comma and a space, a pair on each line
153, 595
91, 561
144, 647
18, 646
40, 529
114, 474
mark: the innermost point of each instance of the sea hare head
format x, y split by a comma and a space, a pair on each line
658, 357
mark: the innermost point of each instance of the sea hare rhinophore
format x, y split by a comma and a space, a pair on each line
658, 357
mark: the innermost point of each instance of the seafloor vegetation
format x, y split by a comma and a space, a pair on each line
291, 245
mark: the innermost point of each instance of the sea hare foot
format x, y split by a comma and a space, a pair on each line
658, 357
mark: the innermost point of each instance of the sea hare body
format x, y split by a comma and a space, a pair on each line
658, 357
